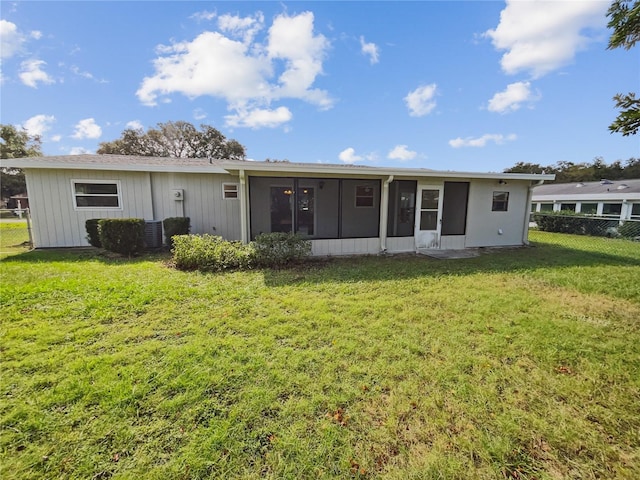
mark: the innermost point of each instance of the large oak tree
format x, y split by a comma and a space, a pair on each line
175, 139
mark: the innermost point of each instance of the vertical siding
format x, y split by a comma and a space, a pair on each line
203, 202
483, 225
57, 224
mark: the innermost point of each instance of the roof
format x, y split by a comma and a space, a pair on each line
602, 190
198, 165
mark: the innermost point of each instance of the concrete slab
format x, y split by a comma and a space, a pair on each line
449, 254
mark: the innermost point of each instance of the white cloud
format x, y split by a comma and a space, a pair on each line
38, 124
245, 28
421, 101
32, 73
204, 16
135, 125
87, 128
11, 40
78, 151
56, 138
540, 36
36, 34
482, 141
512, 98
370, 49
259, 118
348, 155
402, 153
243, 72
199, 114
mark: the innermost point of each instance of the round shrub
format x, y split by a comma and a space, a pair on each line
280, 249
210, 253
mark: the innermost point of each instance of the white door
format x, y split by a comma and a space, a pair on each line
429, 217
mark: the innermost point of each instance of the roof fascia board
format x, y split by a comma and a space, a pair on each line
16, 163
613, 196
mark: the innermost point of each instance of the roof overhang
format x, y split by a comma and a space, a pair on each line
171, 165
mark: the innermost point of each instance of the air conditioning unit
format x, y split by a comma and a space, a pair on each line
153, 233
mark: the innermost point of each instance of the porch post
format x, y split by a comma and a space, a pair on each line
244, 237
384, 213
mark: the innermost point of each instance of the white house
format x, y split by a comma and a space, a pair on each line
618, 199
343, 209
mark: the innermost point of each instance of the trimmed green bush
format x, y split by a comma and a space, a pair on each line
575, 223
122, 235
175, 226
280, 249
210, 253
93, 232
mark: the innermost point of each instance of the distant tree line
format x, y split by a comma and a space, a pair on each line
598, 169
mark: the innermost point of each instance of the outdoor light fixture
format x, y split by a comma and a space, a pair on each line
502, 182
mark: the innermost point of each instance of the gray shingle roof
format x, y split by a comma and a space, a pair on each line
589, 188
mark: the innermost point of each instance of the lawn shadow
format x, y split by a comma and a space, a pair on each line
83, 254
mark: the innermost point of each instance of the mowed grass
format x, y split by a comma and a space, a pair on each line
14, 236
517, 364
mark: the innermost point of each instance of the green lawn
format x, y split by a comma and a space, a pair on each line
517, 364
14, 236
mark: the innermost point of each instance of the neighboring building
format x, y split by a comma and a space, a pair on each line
343, 209
618, 199
20, 201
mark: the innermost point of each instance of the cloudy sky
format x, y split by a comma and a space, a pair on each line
471, 86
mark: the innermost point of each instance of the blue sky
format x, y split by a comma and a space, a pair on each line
468, 86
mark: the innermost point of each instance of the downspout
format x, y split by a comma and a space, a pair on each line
244, 238
384, 213
525, 230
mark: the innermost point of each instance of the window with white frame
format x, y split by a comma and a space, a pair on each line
635, 211
96, 194
229, 191
500, 202
611, 209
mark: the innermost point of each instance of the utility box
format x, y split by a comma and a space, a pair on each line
153, 233
177, 194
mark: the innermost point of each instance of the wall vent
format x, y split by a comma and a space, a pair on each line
153, 233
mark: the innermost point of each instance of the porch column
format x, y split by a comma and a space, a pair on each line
244, 237
384, 213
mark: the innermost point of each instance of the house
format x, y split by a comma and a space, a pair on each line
618, 199
20, 201
343, 209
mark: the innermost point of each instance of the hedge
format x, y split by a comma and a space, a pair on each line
175, 226
122, 235
93, 232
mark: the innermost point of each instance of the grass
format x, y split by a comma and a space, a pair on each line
14, 236
516, 364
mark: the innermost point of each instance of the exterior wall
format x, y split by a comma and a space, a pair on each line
143, 195
346, 246
401, 244
484, 226
55, 221
203, 202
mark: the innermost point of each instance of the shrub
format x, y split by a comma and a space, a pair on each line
93, 232
210, 253
175, 226
280, 249
575, 223
122, 235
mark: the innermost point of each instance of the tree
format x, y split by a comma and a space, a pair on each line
16, 144
624, 19
176, 139
568, 172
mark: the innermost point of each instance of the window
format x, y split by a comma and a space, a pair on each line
589, 208
500, 202
229, 190
611, 209
96, 194
546, 207
364, 196
568, 207
635, 211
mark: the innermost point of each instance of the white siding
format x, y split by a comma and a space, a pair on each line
55, 221
346, 246
203, 202
401, 244
484, 226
